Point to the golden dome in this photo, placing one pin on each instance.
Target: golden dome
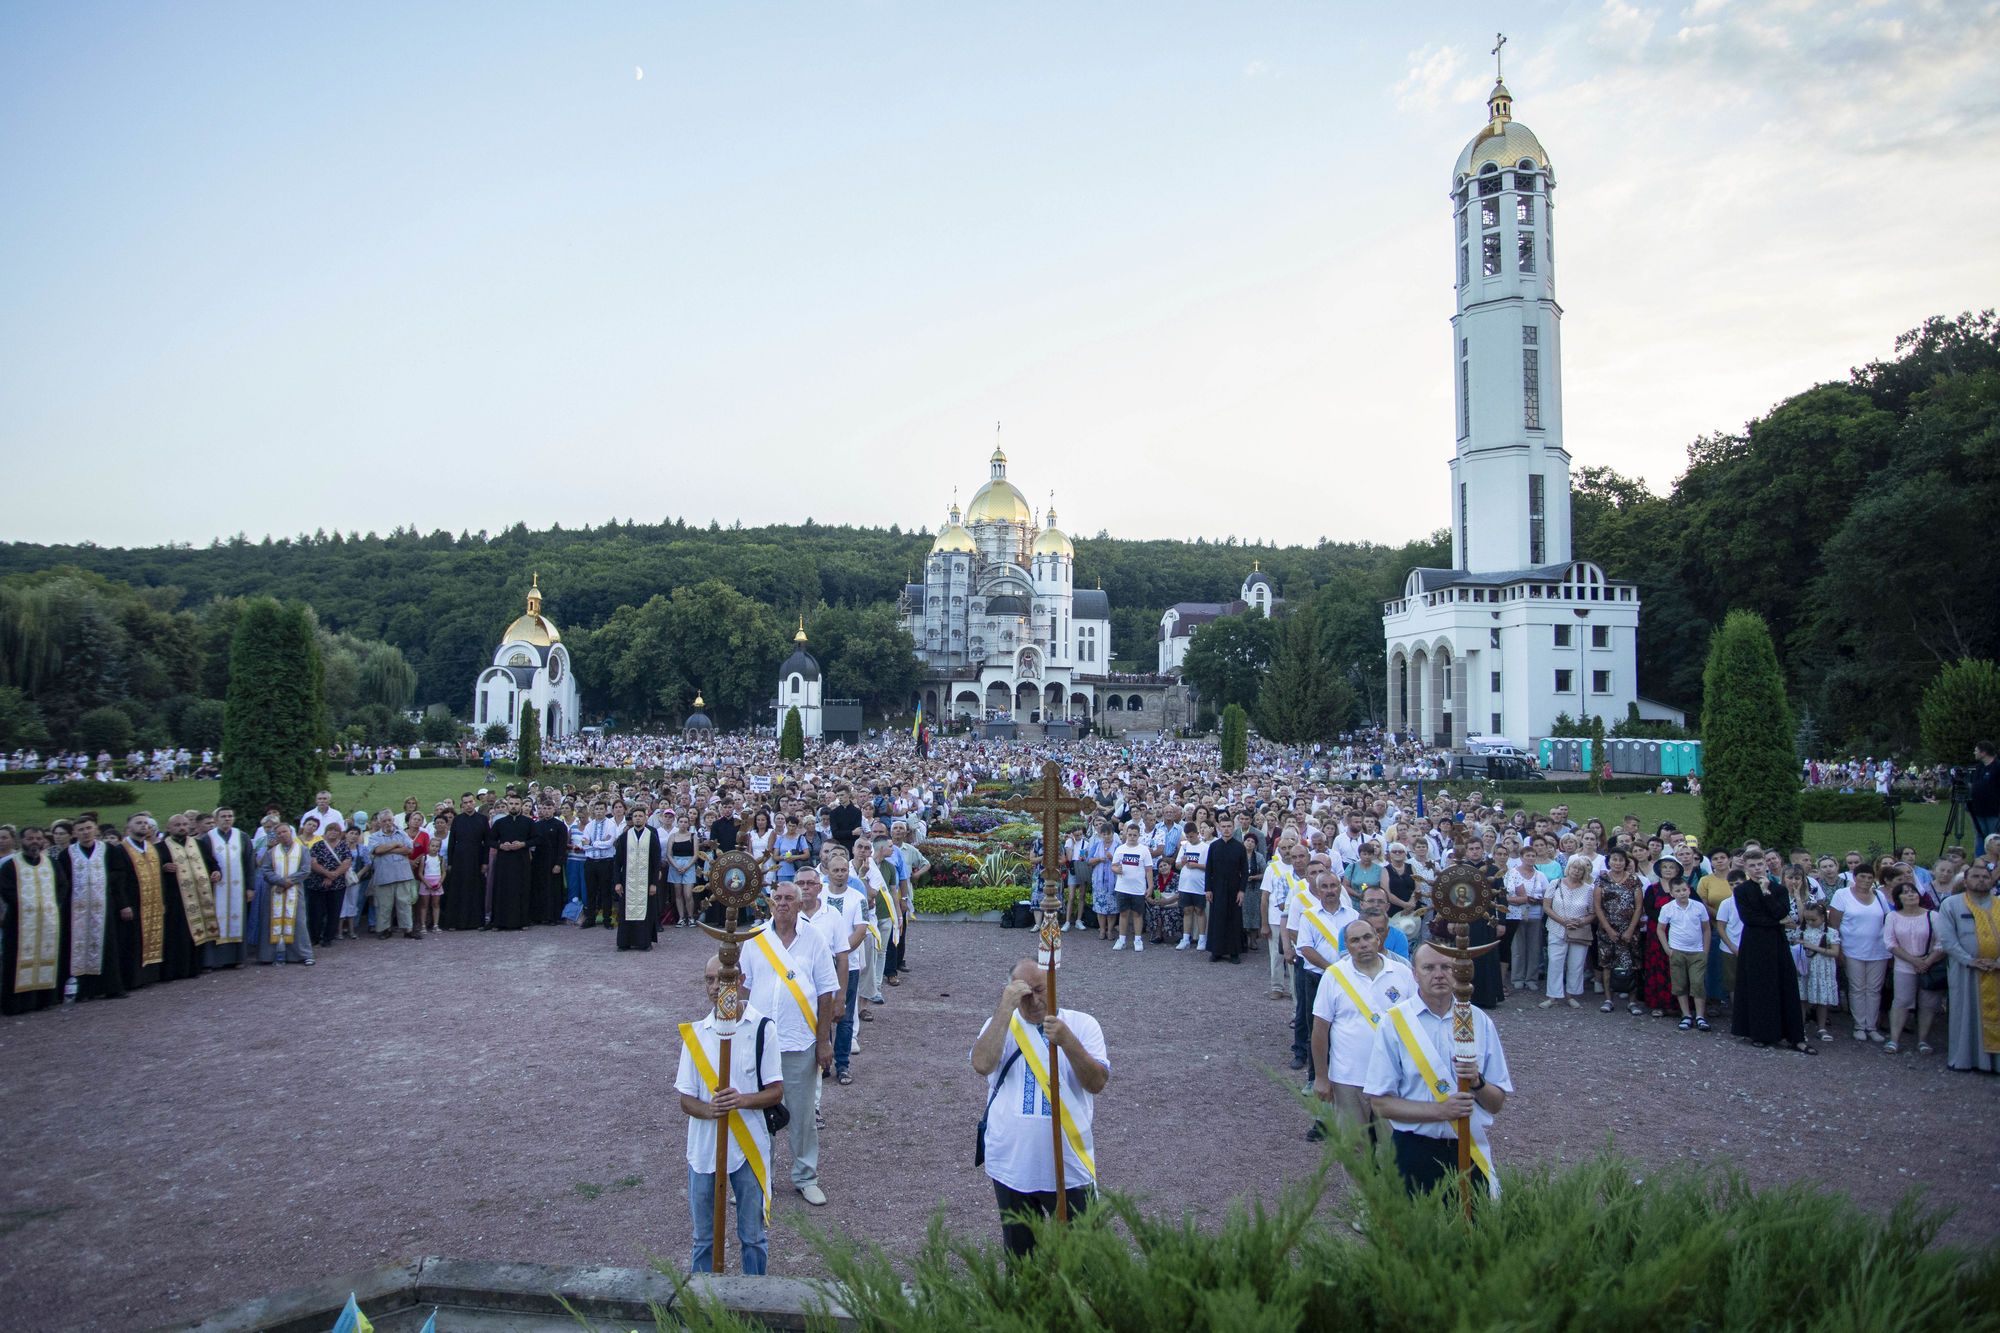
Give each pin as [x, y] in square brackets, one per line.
[1000, 501]
[952, 540]
[1051, 540]
[533, 627]
[1504, 142]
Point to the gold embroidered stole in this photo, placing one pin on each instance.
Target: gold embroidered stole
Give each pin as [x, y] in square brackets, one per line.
[638, 872]
[191, 877]
[1986, 926]
[38, 932]
[284, 904]
[229, 887]
[86, 911]
[152, 907]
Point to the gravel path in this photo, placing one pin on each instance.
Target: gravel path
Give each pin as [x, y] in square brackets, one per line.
[510, 1097]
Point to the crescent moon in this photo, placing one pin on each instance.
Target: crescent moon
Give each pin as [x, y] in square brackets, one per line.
[638, 73]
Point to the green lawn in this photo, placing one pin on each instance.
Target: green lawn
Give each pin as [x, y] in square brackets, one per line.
[1920, 825]
[19, 805]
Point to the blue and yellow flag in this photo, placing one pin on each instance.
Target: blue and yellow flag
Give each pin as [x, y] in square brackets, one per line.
[351, 1319]
[916, 728]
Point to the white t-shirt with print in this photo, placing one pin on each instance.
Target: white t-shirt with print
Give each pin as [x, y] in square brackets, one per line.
[1019, 1153]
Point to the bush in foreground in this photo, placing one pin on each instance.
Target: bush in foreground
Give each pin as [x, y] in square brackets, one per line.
[1600, 1245]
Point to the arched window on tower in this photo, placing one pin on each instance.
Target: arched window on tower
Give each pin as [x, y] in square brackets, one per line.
[1489, 180]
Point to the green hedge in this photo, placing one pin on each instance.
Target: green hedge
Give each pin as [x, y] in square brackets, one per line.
[1606, 1244]
[89, 795]
[940, 902]
[1833, 807]
[1576, 787]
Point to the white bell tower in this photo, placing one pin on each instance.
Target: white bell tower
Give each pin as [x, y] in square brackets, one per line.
[1510, 475]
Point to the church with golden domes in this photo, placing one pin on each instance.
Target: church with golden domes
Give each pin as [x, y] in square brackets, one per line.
[530, 666]
[1005, 635]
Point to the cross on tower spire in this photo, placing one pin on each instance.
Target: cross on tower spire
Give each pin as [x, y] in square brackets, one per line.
[1499, 41]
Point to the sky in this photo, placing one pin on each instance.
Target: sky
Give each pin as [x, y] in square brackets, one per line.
[271, 268]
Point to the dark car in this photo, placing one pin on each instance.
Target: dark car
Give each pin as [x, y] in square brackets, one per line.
[1495, 767]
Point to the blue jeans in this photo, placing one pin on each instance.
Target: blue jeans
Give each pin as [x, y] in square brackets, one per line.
[843, 1032]
[749, 1201]
[1305, 988]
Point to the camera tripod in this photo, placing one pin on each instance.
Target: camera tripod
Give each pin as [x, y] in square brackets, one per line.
[1956, 822]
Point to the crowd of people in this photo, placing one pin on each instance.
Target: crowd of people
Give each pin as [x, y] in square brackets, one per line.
[1319, 862]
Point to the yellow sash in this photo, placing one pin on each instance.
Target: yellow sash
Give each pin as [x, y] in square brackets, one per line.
[1031, 1052]
[1986, 925]
[1439, 1089]
[763, 938]
[739, 1129]
[1326, 929]
[1354, 994]
[38, 925]
[895, 917]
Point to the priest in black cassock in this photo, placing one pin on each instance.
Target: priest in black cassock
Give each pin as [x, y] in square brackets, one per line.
[464, 906]
[635, 882]
[1228, 877]
[510, 837]
[549, 863]
[34, 928]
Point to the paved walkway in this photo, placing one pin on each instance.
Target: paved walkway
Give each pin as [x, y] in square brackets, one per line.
[493, 1096]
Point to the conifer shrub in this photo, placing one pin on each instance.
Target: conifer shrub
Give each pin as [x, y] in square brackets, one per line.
[1750, 782]
[1602, 1244]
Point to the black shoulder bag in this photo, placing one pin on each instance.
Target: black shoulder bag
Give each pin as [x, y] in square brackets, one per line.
[1938, 975]
[777, 1115]
[979, 1151]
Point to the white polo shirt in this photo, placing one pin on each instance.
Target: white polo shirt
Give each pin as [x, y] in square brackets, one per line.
[1392, 1073]
[1019, 1153]
[807, 961]
[1350, 1042]
[743, 1076]
[1312, 937]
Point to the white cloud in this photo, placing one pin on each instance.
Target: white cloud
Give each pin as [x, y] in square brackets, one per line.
[1430, 72]
[1258, 69]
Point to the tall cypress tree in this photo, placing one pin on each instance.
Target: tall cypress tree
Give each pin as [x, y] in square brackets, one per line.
[792, 742]
[528, 748]
[1750, 782]
[274, 721]
[1235, 739]
[1303, 699]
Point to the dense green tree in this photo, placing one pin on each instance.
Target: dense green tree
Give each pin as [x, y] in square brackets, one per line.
[1303, 699]
[199, 726]
[274, 726]
[1750, 782]
[792, 742]
[528, 748]
[105, 728]
[21, 722]
[1228, 657]
[1961, 709]
[1235, 739]
[495, 734]
[1597, 753]
[440, 727]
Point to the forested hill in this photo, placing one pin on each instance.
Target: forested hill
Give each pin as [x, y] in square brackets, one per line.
[1857, 517]
[443, 598]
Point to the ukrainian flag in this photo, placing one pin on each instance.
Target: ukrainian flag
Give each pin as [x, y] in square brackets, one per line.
[351, 1319]
[917, 727]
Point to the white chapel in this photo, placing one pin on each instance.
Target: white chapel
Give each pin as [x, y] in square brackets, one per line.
[1515, 632]
[530, 666]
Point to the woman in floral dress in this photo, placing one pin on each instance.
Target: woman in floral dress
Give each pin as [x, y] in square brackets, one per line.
[1618, 942]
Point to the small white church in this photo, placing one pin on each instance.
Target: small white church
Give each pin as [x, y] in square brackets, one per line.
[1515, 632]
[799, 687]
[530, 666]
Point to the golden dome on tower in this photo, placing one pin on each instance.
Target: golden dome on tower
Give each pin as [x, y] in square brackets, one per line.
[1052, 541]
[533, 627]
